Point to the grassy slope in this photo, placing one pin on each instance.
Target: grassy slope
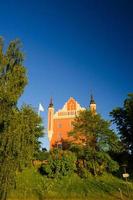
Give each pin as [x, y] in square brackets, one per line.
[33, 186]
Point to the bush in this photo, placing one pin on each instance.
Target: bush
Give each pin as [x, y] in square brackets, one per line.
[96, 162]
[60, 163]
[42, 155]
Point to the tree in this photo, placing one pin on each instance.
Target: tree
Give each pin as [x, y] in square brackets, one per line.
[42, 154]
[93, 140]
[60, 163]
[123, 118]
[19, 128]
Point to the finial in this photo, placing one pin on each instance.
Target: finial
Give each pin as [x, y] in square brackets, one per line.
[51, 102]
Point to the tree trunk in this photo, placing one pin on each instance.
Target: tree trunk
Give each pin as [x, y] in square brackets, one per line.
[3, 195]
[94, 168]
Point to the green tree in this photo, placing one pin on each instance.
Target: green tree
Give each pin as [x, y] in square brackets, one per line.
[42, 154]
[60, 163]
[19, 128]
[123, 118]
[93, 140]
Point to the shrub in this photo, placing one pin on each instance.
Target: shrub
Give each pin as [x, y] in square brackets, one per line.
[60, 163]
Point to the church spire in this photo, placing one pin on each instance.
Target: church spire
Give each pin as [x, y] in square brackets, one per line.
[92, 100]
[92, 105]
[51, 103]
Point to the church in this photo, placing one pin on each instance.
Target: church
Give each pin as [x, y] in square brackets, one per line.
[60, 122]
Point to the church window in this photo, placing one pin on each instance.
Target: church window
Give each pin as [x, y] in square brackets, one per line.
[59, 125]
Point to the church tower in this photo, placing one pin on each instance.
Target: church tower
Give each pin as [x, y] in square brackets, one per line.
[50, 119]
[92, 105]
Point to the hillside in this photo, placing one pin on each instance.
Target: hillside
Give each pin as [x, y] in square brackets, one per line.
[30, 185]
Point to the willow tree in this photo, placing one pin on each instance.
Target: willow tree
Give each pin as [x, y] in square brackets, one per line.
[20, 128]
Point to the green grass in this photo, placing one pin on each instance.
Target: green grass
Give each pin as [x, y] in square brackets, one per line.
[30, 185]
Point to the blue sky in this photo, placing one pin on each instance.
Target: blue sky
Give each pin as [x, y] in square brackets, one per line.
[73, 47]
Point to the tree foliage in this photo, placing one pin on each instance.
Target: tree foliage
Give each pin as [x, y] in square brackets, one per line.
[123, 118]
[42, 154]
[19, 128]
[93, 140]
[60, 163]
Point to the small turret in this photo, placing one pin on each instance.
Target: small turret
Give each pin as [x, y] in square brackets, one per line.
[92, 105]
[50, 119]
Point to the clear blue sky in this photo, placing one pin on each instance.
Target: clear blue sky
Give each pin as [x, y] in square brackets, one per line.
[73, 47]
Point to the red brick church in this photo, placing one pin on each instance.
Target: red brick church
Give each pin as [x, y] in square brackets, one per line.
[60, 122]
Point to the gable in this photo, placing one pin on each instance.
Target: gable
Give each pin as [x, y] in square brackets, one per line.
[71, 104]
[69, 110]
